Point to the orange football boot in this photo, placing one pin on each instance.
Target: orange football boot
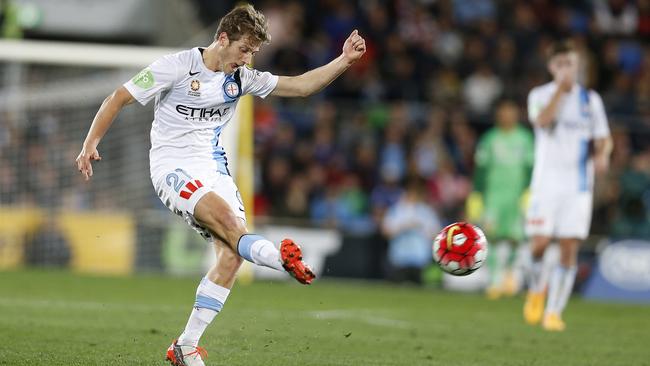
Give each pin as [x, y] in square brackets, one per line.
[292, 262]
[179, 355]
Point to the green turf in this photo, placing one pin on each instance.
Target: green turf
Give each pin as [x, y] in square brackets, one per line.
[57, 318]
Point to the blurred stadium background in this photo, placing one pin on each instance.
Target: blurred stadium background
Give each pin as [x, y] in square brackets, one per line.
[412, 108]
[324, 168]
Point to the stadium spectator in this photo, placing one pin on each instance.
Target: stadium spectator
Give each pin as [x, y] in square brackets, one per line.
[409, 225]
[616, 17]
[481, 89]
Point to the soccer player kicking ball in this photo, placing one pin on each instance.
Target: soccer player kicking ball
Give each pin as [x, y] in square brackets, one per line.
[195, 93]
[571, 141]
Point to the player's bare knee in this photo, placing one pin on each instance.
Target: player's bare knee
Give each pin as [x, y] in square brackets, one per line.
[568, 258]
[539, 246]
[567, 263]
[569, 252]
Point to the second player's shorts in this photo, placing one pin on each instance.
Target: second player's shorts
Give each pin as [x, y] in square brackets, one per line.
[181, 187]
[559, 215]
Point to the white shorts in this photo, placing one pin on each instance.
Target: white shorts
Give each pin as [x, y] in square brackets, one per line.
[559, 215]
[181, 187]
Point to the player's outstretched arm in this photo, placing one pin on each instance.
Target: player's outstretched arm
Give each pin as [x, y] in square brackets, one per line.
[109, 109]
[316, 79]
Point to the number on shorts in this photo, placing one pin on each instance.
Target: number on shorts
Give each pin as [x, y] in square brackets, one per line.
[179, 170]
[174, 181]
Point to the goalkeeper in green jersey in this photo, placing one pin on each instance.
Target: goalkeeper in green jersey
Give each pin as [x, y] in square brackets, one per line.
[504, 161]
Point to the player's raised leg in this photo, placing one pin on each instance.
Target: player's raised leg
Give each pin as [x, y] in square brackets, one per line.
[538, 278]
[211, 295]
[561, 285]
[214, 213]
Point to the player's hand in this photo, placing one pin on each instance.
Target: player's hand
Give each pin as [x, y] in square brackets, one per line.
[84, 159]
[354, 47]
[601, 164]
[566, 82]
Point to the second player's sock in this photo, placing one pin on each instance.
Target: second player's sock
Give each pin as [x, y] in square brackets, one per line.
[540, 273]
[568, 279]
[255, 248]
[210, 298]
[554, 289]
[534, 275]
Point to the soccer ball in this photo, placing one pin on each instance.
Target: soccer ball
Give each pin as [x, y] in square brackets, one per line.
[460, 248]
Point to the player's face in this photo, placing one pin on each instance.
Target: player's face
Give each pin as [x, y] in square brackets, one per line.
[239, 53]
[564, 65]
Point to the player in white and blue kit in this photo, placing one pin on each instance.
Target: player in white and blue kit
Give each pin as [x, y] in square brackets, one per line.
[195, 93]
[572, 140]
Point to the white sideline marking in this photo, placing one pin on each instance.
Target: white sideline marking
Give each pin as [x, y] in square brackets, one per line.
[364, 316]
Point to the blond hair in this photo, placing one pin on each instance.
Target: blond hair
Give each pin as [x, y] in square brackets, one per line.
[244, 20]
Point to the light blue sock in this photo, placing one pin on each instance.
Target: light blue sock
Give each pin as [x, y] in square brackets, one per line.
[535, 273]
[567, 287]
[554, 289]
[210, 298]
[256, 249]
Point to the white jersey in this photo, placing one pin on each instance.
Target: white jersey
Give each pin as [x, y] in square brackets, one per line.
[563, 161]
[193, 105]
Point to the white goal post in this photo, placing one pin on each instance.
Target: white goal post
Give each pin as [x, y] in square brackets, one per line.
[82, 54]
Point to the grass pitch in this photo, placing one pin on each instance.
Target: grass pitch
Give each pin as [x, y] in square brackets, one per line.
[58, 318]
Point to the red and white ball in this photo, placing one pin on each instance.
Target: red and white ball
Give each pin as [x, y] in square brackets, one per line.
[460, 248]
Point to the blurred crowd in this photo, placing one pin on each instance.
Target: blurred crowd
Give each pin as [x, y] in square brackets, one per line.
[408, 114]
[412, 109]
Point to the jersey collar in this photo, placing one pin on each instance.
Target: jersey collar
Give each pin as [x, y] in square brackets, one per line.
[198, 53]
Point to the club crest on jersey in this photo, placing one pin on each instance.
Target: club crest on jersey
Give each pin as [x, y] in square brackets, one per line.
[231, 90]
[195, 85]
